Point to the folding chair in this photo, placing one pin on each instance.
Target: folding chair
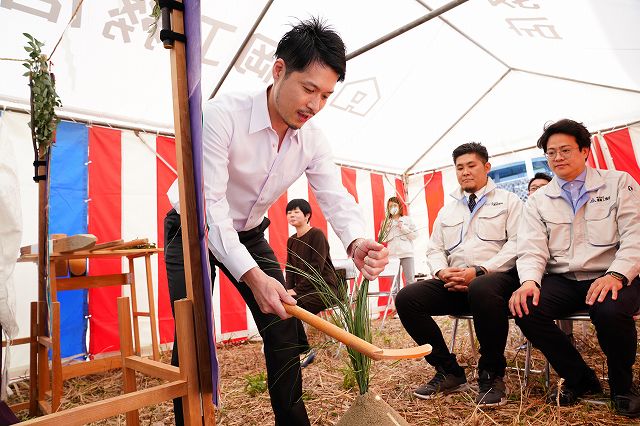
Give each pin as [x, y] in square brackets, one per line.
[454, 333]
[469, 318]
[577, 316]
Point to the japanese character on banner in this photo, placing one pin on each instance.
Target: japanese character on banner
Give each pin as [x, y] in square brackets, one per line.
[49, 9]
[257, 57]
[216, 26]
[523, 4]
[125, 19]
[542, 29]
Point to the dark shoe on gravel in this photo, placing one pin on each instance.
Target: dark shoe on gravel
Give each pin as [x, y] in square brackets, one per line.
[569, 395]
[627, 404]
[491, 390]
[442, 383]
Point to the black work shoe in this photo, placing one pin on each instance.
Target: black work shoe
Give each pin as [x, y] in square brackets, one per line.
[442, 383]
[627, 404]
[491, 390]
[570, 395]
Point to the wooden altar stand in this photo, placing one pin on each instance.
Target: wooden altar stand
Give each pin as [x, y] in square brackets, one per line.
[47, 376]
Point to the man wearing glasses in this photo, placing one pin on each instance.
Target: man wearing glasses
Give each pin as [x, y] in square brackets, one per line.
[579, 249]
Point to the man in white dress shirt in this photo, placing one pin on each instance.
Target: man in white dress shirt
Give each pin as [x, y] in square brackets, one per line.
[255, 147]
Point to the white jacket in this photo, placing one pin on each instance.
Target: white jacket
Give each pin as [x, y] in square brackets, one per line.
[401, 233]
[487, 239]
[604, 235]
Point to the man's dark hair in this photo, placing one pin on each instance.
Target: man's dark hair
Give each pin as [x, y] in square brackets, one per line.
[471, 148]
[539, 175]
[567, 127]
[302, 204]
[312, 41]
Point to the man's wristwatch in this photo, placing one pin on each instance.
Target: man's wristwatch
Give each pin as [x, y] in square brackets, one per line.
[618, 276]
[479, 270]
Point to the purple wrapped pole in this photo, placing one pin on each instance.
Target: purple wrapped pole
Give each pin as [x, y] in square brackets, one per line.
[194, 67]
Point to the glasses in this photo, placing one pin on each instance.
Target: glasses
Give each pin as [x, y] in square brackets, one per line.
[564, 153]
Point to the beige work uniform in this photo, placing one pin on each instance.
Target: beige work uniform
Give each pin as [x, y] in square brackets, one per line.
[603, 235]
[487, 239]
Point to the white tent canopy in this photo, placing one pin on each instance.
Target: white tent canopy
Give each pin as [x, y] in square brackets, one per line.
[488, 70]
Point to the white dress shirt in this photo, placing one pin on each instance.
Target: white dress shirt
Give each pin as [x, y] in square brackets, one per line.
[245, 173]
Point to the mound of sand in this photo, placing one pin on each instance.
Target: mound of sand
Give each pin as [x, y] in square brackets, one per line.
[370, 409]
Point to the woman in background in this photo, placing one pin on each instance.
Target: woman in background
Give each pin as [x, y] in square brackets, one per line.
[399, 237]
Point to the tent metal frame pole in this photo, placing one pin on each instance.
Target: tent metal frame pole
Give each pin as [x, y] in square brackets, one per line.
[573, 80]
[455, 123]
[411, 25]
[88, 118]
[465, 35]
[246, 40]
[366, 169]
[527, 148]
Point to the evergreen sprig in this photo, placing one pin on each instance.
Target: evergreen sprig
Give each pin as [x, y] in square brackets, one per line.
[44, 98]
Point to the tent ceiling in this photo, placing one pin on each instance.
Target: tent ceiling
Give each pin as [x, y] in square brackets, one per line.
[443, 83]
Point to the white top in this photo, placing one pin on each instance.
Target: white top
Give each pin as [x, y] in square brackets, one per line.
[486, 237]
[244, 174]
[602, 235]
[399, 238]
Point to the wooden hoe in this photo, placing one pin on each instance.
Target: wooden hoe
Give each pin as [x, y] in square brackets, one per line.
[354, 342]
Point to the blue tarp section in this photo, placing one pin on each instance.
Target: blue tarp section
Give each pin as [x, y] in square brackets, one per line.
[68, 215]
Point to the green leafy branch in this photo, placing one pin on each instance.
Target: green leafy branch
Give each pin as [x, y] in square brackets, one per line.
[44, 98]
[155, 14]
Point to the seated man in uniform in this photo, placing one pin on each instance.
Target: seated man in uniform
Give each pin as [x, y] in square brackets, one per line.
[579, 249]
[538, 181]
[472, 252]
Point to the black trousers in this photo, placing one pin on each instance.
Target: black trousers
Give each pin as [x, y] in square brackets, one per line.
[281, 338]
[613, 320]
[487, 300]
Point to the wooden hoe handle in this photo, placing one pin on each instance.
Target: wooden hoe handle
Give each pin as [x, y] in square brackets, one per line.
[352, 341]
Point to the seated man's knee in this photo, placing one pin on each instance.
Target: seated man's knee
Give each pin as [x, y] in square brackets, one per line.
[480, 288]
[413, 297]
[403, 300]
[606, 311]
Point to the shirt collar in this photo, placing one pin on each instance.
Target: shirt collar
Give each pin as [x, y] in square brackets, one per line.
[459, 194]
[591, 177]
[579, 179]
[479, 193]
[260, 119]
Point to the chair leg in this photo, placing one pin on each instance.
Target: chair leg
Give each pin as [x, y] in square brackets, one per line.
[392, 296]
[547, 374]
[454, 332]
[472, 341]
[527, 363]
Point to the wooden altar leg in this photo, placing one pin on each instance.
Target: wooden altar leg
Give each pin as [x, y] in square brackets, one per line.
[126, 349]
[134, 305]
[56, 361]
[152, 309]
[188, 364]
[44, 381]
[33, 362]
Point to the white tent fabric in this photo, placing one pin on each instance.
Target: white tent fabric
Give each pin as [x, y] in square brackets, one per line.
[10, 236]
[489, 70]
